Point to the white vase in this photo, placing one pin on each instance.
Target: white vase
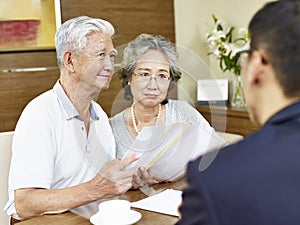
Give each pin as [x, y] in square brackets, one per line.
[237, 99]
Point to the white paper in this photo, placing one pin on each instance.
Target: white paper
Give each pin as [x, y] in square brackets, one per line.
[166, 150]
[166, 202]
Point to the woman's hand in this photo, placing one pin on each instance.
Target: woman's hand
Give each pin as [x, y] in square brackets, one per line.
[143, 177]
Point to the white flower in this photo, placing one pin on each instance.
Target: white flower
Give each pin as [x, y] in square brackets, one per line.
[243, 32]
[216, 52]
[222, 44]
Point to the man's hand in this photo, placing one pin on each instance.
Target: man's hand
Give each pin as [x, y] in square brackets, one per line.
[112, 180]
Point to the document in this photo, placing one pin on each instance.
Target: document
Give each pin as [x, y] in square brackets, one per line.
[166, 202]
[165, 150]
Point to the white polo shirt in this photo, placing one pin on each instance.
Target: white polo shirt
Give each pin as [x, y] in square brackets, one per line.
[51, 148]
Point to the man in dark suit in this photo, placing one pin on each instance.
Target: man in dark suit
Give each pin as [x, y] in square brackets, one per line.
[257, 181]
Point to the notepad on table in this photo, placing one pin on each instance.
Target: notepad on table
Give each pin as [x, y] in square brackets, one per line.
[166, 202]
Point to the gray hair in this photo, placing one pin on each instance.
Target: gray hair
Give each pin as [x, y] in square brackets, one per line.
[72, 34]
[138, 47]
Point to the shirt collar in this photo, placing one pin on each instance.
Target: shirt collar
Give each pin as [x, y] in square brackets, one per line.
[67, 105]
[289, 112]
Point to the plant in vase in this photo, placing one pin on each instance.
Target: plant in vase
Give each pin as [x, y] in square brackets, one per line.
[224, 46]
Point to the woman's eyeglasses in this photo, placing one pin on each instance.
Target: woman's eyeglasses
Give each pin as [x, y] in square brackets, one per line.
[146, 77]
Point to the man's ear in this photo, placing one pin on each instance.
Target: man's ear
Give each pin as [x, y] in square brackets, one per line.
[258, 67]
[67, 61]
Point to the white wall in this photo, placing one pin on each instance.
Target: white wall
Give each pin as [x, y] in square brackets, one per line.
[192, 21]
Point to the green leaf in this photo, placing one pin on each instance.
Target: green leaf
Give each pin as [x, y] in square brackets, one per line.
[221, 64]
[229, 35]
[219, 27]
[214, 17]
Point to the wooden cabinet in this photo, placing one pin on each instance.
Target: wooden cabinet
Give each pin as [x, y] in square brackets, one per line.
[17, 87]
[228, 119]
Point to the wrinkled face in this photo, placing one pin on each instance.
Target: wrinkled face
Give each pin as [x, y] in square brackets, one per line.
[94, 66]
[151, 78]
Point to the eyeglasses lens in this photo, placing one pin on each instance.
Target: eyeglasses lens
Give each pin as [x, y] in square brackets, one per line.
[161, 79]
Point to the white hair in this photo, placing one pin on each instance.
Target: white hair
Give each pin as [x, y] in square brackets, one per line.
[72, 34]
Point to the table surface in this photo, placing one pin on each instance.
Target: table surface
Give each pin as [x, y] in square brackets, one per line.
[148, 217]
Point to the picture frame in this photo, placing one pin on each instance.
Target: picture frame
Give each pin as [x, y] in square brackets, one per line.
[28, 24]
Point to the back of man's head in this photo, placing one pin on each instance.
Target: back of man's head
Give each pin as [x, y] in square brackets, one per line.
[276, 30]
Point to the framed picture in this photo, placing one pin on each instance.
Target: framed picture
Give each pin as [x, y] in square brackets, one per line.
[28, 24]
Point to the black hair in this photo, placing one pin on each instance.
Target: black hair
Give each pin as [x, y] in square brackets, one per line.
[276, 30]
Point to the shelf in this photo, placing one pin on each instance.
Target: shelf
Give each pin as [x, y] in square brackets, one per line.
[228, 119]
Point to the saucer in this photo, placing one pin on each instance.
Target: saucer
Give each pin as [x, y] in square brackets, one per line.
[133, 217]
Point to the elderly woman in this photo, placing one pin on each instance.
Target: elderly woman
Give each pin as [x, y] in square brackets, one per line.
[148, 72]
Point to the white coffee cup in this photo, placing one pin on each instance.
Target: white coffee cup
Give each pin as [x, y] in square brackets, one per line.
[111, 209]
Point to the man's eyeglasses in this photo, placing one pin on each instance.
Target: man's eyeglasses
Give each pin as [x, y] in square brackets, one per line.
[243, 56]
[146, 77]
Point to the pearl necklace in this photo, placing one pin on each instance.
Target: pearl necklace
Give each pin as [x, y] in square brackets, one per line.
[134, 121]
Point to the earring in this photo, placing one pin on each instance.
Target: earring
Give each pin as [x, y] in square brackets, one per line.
[128, 83]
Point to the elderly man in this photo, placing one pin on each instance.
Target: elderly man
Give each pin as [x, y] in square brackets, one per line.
[256, 181]
[63, 148]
